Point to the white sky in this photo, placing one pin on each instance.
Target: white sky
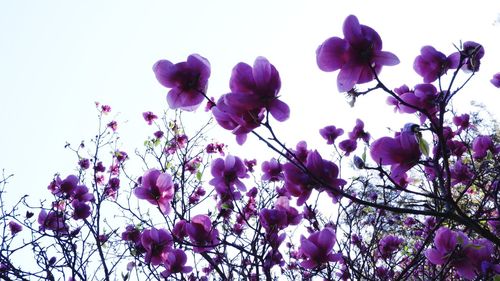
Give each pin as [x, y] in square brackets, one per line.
[58, 57]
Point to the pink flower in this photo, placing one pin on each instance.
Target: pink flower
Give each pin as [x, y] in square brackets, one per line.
[157, 188]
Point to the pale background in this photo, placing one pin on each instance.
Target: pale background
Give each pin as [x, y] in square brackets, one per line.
[58, 57]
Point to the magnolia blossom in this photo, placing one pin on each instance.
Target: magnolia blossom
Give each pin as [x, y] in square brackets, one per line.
[401, 152]
[322, 175]
[331, 133]
[201, 233]
[157, 188]
[254, 91]
[455, 249]
[432, 64]
[157, 243]
[317, 249]
[228, 172]
[188, 81]
[273, 170]
[175, 262]
[357, 56]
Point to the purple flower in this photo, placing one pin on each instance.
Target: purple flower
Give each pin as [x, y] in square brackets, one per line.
[131, 233]
[273, 220]
[273, 170]
[84, 163]
[53, 220]
[322, 175]
[461, 121]
[14, 227]
[175, 262]
[481, 145]
[201, 233]
[357, 56]
[317, 248]
[80, 210]
[388, 245]
[348, 146]
[472, 53]
[401, 152]
[157, 188]
[454, 248]
[158, 134]
[113, 125]
[461, 173]
[253, 92]
[331, 133]
[157, 243]
[227, 173]
[149, 117]
[188, 81]
[358, 132]
[432, 64]
[496, 80]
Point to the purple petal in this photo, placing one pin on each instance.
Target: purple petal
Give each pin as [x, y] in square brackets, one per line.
[348, 77]
[163, 72]
[386, 58]
[331, 55]
[242, 80]
[352, 30]
[279, 110]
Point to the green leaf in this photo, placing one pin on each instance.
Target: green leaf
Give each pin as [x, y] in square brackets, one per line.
[496, 278]
[199, 175]
[423, 145]
[363, 156]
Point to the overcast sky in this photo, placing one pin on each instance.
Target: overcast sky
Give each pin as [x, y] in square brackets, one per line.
[58, 57]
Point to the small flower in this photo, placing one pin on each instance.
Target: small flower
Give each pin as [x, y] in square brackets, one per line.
[331, 133]
[496, 80]
[14, 227]
[188, 81]
[84, 163]
[358, 132]
[348, 146]
[149, 117]
[273, 170]
[113, 125]
[388, 245]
